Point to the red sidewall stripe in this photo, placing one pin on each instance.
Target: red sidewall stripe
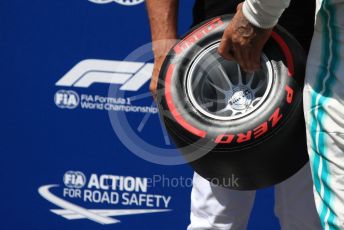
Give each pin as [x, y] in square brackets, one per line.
[286, 52]
[173, 109]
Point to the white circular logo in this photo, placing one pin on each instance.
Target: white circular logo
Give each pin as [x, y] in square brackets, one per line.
[241, 98]
[66, 99]
[122, 2]
[74, 179]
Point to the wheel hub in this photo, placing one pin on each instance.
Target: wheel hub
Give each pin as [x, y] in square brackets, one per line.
[241, 98]
[221, 90]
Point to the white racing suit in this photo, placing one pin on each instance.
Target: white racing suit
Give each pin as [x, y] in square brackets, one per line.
[215, 208]
[324, 112]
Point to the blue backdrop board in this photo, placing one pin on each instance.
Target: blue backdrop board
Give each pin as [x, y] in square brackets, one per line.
[82, 145]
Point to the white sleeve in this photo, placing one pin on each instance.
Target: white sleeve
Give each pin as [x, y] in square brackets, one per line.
[264, 13]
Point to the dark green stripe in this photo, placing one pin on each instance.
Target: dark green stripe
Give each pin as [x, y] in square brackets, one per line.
[318, 85]
[319, 120]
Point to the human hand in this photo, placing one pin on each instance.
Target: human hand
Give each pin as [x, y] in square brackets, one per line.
[155, 76]
[243, 42]
[160, 49]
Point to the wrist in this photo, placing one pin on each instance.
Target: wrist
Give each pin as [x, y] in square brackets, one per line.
[162, 47]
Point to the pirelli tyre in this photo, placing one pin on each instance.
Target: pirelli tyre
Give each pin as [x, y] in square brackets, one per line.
[239, 130]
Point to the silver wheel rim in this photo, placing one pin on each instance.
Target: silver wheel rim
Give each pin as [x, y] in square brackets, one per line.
[220, 90]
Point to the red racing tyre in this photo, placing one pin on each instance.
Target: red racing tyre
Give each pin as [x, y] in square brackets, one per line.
[239, 130]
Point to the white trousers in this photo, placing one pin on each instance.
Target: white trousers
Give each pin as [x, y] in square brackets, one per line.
[214, 207]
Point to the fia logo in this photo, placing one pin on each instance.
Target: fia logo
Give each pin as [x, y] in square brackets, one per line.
[74, 179]
[66, 99]
[122, 2]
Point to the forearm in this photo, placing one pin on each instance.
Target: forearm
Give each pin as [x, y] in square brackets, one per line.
[163, 22]
[162, 16]
[264, 13]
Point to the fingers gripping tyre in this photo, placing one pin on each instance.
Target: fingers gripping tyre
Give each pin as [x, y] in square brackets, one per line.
[239, 130]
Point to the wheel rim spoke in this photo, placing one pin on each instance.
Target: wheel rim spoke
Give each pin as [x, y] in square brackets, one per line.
[225, 76]
[216, 87]
[240, 81]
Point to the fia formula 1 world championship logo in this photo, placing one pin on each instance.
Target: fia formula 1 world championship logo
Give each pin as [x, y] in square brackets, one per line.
[107, 190]
[128, 76]
[122, 2]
